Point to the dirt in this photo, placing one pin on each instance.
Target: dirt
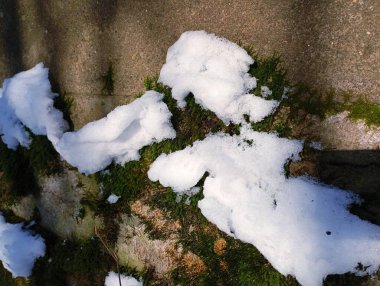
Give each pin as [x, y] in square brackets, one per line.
[323, 43]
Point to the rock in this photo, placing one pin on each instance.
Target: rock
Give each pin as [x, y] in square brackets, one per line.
[60, 208]
[339, 132]
[136, 250]
[25, 207]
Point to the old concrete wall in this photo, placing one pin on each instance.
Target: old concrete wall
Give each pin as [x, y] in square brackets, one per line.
[324, 43]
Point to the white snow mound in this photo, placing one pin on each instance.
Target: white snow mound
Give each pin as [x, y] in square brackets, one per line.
[113, 280]
[215, 71]
[26, 101]
[303, 228]
[119, 136]
[19, 249]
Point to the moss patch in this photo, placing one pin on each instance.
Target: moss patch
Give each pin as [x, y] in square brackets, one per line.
[367, 111]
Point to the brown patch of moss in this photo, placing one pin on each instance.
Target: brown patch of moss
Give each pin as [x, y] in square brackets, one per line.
[220, 246]
[155, 216]
[193, 264]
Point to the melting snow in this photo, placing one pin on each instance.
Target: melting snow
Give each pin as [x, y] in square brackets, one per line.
[265, 91]
[19, 249]
[113, 280]
[112, 199]
[215, 71]
[26, 101]
[303, 228]
[119, 136]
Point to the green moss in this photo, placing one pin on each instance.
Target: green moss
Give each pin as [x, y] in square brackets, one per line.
[20, 167]
[46, 273]
[7, 280]
[240, 264]
[325, 104]
[43, 158]
[126, 181]
[347, 279]
[64, 103]
[272, 123]
[83, 259]
[367, 111]
[191, 123]
[269, 72]
[314, 102]
[17, 171]
[283, 130]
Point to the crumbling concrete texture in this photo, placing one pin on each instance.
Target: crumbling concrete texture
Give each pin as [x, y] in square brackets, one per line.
[323, 43]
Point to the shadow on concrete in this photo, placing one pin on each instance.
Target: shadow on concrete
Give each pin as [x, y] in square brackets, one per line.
[354, 170]
[309, 19]
[10, 35]
[104, 12]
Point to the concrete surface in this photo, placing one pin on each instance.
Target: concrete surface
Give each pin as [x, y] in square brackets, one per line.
[324, 43]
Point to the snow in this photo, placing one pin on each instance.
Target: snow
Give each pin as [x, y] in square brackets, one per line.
[303, 228]
[19, 249]
[188, 193]
[112, 199]
[215, 71]
[119, 136]
[113, 280]
[26, 102]
[316, 145]
[265, 91]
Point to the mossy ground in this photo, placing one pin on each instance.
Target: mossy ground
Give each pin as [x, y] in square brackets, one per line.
[87, 262]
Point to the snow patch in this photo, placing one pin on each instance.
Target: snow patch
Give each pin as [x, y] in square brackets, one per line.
[26, 102]
[316, 145]
[265, 91]
[112, 199]
[303, 228]
[119, 136]
[215, 71]
[19, 249]
[113, 280]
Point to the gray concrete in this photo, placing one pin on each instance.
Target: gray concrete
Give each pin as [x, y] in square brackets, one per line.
[324, 43]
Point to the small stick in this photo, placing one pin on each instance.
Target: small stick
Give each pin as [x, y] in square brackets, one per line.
[112, 253]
